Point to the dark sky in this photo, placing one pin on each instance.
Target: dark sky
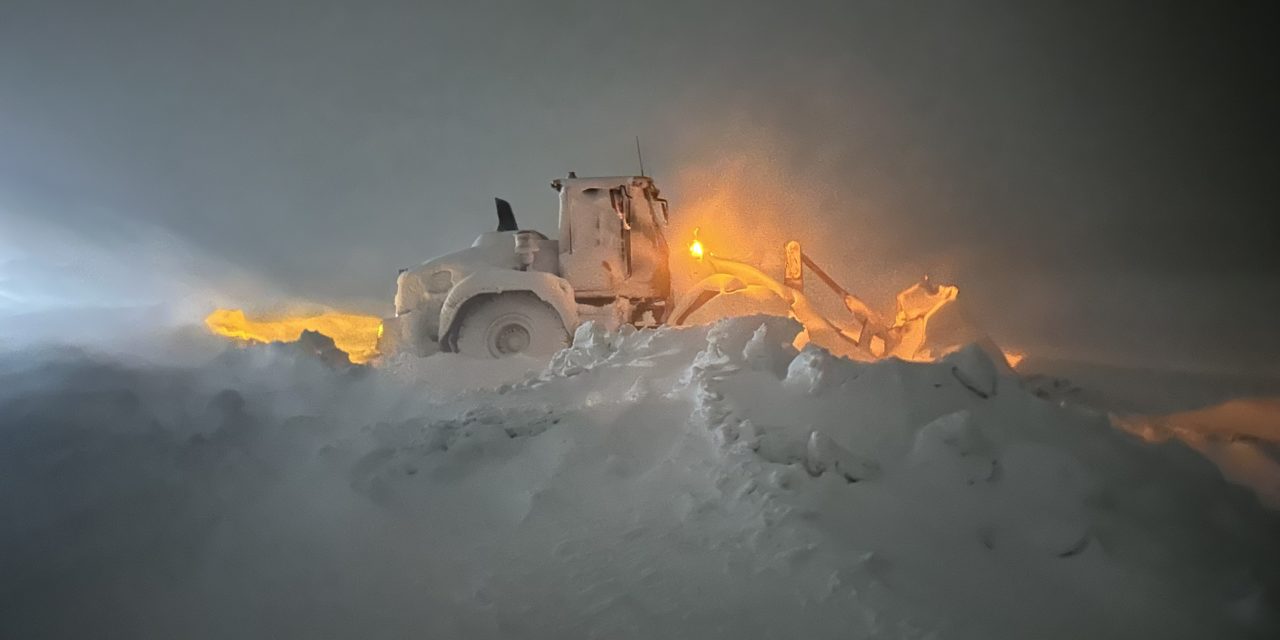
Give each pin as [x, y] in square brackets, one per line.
[1099, 177]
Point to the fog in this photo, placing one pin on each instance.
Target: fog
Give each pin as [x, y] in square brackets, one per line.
[1095, 177]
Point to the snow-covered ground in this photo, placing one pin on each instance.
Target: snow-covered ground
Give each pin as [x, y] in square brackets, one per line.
[700, 482]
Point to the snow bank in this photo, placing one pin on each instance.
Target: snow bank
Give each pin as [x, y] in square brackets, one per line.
[697, 482]
[1241, 436]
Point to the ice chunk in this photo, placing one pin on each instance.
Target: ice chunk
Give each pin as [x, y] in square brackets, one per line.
[823, 454]
[974, 369]
[953, 448]
[592, 344]
[768, 351]
[814, 370]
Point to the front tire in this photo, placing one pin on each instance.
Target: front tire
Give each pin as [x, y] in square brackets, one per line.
[507, 324]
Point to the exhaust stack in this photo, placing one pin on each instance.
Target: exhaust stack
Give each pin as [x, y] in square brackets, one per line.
[506, 217]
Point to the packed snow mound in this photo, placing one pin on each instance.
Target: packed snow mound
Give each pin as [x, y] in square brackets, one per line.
[701, 482]
[1242, 436]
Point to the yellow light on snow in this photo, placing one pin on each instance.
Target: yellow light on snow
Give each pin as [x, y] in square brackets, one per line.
[353, 333]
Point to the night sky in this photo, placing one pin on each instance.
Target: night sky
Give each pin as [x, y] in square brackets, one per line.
[1100, 178]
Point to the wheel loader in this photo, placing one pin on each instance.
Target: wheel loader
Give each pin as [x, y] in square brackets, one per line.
[518, 291]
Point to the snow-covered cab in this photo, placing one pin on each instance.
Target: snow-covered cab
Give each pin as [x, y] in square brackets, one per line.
[613, 247]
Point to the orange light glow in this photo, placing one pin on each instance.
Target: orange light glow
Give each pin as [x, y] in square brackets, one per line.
[695, 249]
[357, 335]
[1013, 357]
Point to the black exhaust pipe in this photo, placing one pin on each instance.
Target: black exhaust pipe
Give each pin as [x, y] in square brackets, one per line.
[506, 218]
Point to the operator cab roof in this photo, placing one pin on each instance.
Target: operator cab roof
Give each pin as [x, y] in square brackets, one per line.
[601, 182]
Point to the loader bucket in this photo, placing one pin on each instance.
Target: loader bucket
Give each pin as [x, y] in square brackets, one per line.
[864, 336]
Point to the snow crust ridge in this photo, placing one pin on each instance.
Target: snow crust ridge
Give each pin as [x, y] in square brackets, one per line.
[707, 481]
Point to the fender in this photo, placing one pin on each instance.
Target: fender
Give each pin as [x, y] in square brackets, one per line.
[550, 288]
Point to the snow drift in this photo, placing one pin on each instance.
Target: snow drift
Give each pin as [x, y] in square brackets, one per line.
[697, 482]
[1241, 436]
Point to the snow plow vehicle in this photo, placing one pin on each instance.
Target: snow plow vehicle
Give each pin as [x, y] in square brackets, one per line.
[519, 291]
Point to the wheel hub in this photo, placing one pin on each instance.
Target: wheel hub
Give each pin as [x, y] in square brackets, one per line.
[511, 338]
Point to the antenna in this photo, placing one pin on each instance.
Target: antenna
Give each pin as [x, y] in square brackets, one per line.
[638, 156]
